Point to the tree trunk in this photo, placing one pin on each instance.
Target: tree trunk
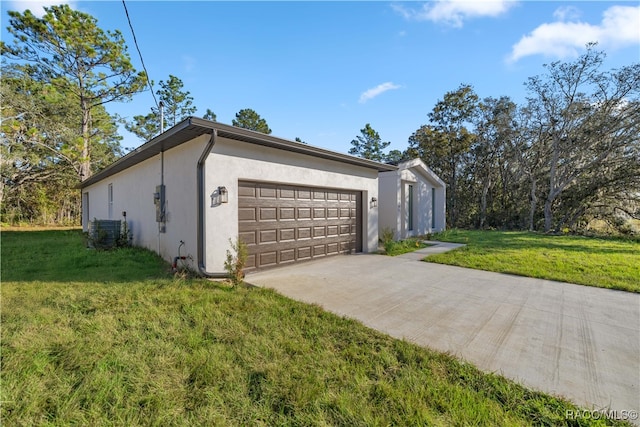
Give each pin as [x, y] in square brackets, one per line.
[85, 161]
[533, 204]
[483, 202]
[548, 215]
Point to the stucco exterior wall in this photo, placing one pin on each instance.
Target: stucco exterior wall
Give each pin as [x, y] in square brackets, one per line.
[133, 192]
[394, 203]
[231, 161]
[389, 203]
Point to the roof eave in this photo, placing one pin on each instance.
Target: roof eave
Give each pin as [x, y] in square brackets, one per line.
[192, 127]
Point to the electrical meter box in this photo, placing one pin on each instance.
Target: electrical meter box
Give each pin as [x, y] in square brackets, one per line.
[158, 200]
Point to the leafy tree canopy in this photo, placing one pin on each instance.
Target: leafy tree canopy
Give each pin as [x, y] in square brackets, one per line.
[369, 145]
[210, 115]
[177, 105]
[69, 51]
[249, 119]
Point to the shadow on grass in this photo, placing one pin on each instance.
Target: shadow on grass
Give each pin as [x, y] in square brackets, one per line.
[61, 256]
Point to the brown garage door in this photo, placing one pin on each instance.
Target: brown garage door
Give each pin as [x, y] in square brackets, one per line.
[283, 224]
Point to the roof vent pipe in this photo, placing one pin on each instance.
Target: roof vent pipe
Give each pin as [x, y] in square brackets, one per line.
[161, 116]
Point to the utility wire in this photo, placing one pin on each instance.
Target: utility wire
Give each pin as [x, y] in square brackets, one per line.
[140, 54]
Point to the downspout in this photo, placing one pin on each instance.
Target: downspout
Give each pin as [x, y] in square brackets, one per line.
[200, 189]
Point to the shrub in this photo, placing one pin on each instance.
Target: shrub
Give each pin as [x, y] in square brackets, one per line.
[236, 260]
[387, 234]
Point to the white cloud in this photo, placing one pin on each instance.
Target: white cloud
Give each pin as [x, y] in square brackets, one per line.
[37, 6]
[373, 92]
[455, 12]
[562, 39]
[567, 13]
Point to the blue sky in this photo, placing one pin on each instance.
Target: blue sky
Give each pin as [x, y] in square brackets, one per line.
[321, 70]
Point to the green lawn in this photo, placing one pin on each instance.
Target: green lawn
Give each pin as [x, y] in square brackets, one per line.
[107, 338]
[606, 263]
[399, 247]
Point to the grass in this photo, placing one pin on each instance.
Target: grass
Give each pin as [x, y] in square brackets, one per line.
[60, 256]
[398, 247]
[601, 262]
[89, 339]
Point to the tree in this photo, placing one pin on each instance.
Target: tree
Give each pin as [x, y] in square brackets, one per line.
[446, 141]
[369, 145]
[395, 157]
[69, 51]
[144, 127]
[591, 124]
[529, 155]
[176, 103]
[300, 141]
[39, 164]
[210, 115]
[249, 119]
[490, 164]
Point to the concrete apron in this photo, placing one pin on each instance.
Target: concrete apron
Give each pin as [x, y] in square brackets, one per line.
[579, 342]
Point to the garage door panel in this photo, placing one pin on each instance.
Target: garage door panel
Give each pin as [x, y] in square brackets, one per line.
[268, 214]
[319, 250]
[248, 237]
[304, 253]
[251, 261]
[303, 194]
[287, 255]
[267, 192]
[319, 213]
[268, 236]
[304, 233]
[268, 259]
[246, 191]
[287, 193]
[246, 214]
[294, 203]
[285, 224]
[287, 234]
[287, 213]
[303, 213]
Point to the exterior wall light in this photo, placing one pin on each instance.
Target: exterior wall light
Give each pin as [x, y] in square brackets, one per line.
[373, 203]
[224, 195]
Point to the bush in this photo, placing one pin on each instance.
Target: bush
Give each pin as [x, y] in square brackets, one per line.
[387, 235]
[235, 262]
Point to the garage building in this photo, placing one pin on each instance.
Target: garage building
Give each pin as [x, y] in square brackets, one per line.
[201, 184]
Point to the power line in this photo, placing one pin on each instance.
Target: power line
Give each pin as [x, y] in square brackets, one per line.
[140, 54]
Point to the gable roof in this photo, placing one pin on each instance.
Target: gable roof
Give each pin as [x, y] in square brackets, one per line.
[419, 166]
[193, 127]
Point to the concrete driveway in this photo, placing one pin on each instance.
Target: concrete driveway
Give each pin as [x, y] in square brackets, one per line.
[575, 341]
